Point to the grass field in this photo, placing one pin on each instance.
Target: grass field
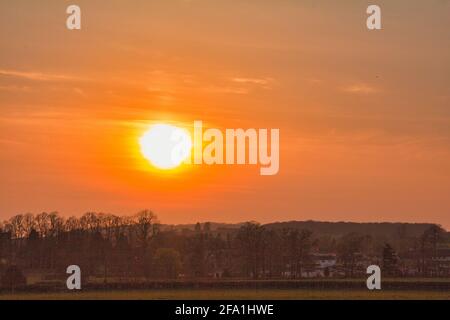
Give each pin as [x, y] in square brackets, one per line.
[234, 294]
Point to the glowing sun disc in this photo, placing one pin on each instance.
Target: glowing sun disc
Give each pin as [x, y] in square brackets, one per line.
[165, 146]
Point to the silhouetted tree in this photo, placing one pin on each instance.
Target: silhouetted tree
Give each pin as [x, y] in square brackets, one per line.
[251, 245]
[429, 242]
[350, 248]
[146, 226]
[390, 261]
[167, 263]
[13, 278]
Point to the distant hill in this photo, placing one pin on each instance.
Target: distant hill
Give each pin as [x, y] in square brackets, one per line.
[333, 229]
[214, 226]
[336, 229]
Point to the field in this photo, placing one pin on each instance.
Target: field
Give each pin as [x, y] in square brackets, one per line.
[235, 289]
[233, 294]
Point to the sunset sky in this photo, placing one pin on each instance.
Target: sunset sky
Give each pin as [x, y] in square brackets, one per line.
[364, 116]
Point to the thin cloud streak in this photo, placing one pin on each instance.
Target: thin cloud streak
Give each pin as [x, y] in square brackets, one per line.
[36, 76]
[361, 89]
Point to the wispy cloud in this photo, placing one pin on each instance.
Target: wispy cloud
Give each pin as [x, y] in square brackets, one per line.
[79, 91]
[14, 88]
[251, 80]
[36, 76]
[360, 88]
[258, 81]
[223, 89]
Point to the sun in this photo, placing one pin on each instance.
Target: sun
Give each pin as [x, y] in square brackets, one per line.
[165, 146]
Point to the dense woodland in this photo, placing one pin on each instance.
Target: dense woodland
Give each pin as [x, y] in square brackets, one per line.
[109, 247]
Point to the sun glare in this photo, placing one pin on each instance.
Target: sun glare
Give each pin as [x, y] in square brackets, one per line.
[165, 146]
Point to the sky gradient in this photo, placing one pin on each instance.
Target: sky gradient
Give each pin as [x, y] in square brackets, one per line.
[364, 116]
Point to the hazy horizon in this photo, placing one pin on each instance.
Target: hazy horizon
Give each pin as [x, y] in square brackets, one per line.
[237, 222]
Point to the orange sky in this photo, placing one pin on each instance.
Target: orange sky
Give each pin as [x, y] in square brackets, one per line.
[363, 116]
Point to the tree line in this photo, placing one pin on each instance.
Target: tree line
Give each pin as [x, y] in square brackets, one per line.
[109, 246]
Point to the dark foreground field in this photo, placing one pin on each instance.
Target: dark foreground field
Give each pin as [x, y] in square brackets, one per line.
[234, 294]
[396, 288]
